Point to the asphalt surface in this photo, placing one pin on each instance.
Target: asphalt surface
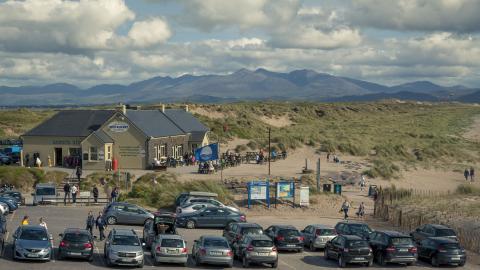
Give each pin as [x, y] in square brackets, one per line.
[59, 217]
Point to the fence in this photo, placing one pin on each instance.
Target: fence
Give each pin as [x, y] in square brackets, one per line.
[386, 208]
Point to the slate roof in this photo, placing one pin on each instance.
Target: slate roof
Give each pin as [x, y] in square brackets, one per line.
[72, 123]
[154, 123]
[188, 123]
[103, 136]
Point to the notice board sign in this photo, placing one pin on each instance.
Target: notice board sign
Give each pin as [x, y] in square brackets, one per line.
[258, 191]
[285, 190]
[304, 196]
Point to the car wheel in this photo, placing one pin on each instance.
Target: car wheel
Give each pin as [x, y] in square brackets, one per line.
[435, 261]
[341, 262]
[411, 264]
[140, 265]
[111, 220]
[461, 264]
[326, 255]
[245, 263]
[370, 263]
[190, 224]
[381, 260]
[312, 247]
[275, 264]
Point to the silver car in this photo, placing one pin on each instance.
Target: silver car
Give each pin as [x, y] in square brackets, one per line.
[317, 236]
[169, 248]
[210, 201]
[212, 250]
[257, 248]
[126, 213]
[32, 243]
[123, 247]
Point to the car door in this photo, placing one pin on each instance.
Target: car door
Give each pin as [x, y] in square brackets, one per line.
[148, 232]
[206, 217]
[222, 217]
[373, 242]
[232, 233]
[336, 246]
[307, 235]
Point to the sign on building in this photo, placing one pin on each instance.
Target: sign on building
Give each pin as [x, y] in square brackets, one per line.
[118, 127]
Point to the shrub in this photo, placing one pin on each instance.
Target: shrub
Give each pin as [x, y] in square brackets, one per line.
[467, 189]
[383, 168]
[25, 179]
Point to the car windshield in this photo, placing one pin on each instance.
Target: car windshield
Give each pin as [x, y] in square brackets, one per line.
[363, 228]
[164, 220]
[357, 244]
[172, 243]
[445, 232]
[215, 243]
[125, 240]
[402, 241]
[262, 243]
[252, 230]
[325, 232]
[76, 237]
[34, 234]
[45, 191]
[289, 232]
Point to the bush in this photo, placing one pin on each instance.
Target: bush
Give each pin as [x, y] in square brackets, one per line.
[383, 168]
[240, 148]
[253, 145]
[467, 189]
[25, 179]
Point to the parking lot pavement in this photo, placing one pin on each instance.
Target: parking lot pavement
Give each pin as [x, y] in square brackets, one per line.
[58, 218]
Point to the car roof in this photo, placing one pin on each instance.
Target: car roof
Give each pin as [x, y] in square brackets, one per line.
[321, 226]
[439, 226]
[201, 194]
[352, 237]
[213, 237]
[394, 234]
[164, 214]
[124, 232]
[33, 227]
[352, 223]
[284, 226]
[77, 230]
[45, 185]
[443, 239]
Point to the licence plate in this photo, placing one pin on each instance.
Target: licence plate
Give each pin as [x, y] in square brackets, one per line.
[455, 259]
[172, 251]
[32, 255]
[403, 249]
[291, 245]
[263, 254]
[359, 258]
[216, 253]
[75, 254]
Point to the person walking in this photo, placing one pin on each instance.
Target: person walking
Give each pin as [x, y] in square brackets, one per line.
[345, 208]
[95, 194]
[101, 224]
[79, 173]
[466, 174]
[42, 223]
[67, 190]
[25, 221]
[361, 210]
[74, 193]
[363, 182]
[328, 157]
[472, 174]
[27, 160]
[114, 194]
[90, 222]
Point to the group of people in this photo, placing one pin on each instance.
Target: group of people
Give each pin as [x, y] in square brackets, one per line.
[35, 161]
[74, 190]
[99, 223]
[469, 174]
[41, 222]
[346, 208]
[334, 157]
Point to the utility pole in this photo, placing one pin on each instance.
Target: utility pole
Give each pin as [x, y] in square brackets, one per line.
[269, 150]
[318, 175]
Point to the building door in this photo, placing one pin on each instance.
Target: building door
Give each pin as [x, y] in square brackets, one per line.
[58, 157]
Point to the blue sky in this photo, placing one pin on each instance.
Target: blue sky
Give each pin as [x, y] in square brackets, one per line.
[91, 42]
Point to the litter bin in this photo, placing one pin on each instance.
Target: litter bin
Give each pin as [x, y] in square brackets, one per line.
[337, 189]
[327, 187]
[371, 190]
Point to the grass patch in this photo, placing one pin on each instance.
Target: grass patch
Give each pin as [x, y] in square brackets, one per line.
[25, 179]
[467, 189]
[383, 168]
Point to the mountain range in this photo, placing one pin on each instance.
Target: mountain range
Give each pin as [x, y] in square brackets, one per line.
[261, 84]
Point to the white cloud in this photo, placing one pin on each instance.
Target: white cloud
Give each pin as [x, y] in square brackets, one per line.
[150, 32]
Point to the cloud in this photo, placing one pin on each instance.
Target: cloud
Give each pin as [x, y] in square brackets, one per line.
[150, 32]
[418, 15]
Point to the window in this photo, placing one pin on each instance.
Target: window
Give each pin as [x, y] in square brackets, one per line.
[109, 153]
[75, 152]
[177, 151]
[160, 151]
[93, 153]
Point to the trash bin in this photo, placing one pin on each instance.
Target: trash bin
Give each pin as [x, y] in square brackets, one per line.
[337, 189]
[327, 187]
[371, 190]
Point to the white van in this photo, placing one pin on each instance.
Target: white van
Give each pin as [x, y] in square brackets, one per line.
[45, 193]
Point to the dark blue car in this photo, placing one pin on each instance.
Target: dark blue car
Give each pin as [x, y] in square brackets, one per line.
[210, 217]
[11, 202]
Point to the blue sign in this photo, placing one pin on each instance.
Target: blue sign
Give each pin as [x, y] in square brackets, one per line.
[285, 190]
[206, 153]
[258, 191]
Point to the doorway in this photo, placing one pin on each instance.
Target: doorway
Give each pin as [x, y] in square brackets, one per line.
[58, 157]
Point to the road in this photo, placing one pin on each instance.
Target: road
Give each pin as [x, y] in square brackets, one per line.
[59, 217]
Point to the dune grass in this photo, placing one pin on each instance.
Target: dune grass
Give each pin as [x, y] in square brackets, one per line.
[25, 179]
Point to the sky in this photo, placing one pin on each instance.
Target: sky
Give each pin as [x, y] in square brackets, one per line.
[90, 42]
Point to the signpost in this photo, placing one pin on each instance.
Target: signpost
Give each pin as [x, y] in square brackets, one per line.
[259, 190]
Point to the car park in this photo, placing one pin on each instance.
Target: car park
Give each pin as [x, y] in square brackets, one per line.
[257, 248]
[162, 223]
[285, 237]
[210, 201]
[193, 194]
[317, 235]
[212, 250]
[353, 228]
[169, 248]
[126, 213]
[32, 243]
[433, 230]
[349, 249]
[10, 202]
[442, 251]
[212, 217]
[235, 231]
[123, 247]
[45, 193]
[76, 243]
[393, 247]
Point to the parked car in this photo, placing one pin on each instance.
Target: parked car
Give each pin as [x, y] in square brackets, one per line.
[441, 251]
[4, 209]
[123, 247]
[14, 194]
[257, 248]
[5, 159]
[3, 231]
[162, 223]
[285, 237]
[235, 231]
[212, 250]
[353, 228]
[433, 230]
[210, 201]
[210, 217]
[32, 243]
[317, 236]
[45, 193]
[192, 207]
[126, 213]
[76, 243]
[10, 202]
[393, 247]
[169, 248]
[193, 194]
[349, 249]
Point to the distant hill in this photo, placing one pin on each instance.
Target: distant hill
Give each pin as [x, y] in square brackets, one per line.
[261, 84]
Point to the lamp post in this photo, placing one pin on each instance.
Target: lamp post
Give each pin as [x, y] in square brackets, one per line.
[269, 150]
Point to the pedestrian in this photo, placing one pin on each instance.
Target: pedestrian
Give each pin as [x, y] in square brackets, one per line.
[95, 194]
[25, 221]
[328, 157]
[42, 223]
[67, 190]
[101, 225]
[466, 174]
[90, 222]
[361, 210]
[114, 194]
[472, 174]
[27, 160]
[79, 173]
[38, 162]
[74, 193]
[345, 208]
[363, 182]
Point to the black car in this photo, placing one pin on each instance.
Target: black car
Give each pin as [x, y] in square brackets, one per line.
[354, 228]
[235, 231]
[210, 217]
[433, 230]
[286, 237]
[349, 249]
[393, 247]
[442, 250]
[13, 194]
[76, 243]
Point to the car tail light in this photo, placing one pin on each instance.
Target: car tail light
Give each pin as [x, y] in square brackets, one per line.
[243, 218]
[63, 244]
[184, 250]
[301, 238]
[274, 249]
[390, 249]
[412, 250]
[230, 253]
[88, 245]
[280, 238]
[249, 248]
[203, 251]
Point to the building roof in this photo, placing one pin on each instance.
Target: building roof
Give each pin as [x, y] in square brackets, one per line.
[72, 123]
[103, 136]
[188, 123]
[154, 123]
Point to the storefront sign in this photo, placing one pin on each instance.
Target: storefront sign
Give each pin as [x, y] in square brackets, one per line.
[118, 127]
[304, 196]
[66, 142]
[131, 151]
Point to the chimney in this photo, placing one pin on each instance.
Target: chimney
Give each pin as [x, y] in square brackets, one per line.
[122, 108]
[186, 108]
[163, 107]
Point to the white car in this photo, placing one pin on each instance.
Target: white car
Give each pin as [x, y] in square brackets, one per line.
[4, 209]
[195, 204]
[192, 207]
